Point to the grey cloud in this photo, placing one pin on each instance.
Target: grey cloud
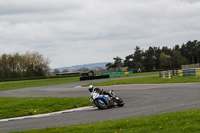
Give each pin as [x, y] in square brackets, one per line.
[75, 29]
[37, 6]
[190, 1]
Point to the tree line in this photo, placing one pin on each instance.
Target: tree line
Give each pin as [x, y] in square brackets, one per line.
[161, 58]
[30, 64]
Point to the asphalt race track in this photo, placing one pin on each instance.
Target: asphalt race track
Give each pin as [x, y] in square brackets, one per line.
[61, 90]
[140, 100]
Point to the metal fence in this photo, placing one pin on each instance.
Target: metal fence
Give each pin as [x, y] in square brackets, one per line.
[190, 66]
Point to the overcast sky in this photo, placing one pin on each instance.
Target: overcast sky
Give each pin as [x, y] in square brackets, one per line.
[75, 32]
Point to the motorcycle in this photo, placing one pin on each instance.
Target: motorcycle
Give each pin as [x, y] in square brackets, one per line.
[103, 101]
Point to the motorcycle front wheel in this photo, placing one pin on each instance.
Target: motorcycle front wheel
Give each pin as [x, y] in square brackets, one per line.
[119, 101]
[101, 104]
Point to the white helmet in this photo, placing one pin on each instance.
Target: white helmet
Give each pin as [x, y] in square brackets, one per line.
[90, 88]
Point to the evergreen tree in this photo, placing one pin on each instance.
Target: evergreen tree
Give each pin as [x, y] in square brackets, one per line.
[137, 57]
[149, 61]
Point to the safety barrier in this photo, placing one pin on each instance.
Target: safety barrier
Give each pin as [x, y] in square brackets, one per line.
[94, 77]
[118, 73]
[191, 72]
[166, 74]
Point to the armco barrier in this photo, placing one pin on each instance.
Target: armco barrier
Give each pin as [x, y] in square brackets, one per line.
[94, 77]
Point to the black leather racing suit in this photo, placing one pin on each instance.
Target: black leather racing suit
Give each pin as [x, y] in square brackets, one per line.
[101, 91]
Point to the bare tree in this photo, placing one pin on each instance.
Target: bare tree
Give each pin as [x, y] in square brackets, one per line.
[28, 64]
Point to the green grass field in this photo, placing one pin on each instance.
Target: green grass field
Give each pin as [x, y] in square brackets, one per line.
[148, 80]
[43, 82]
[15, 107]
[33, 83]
[176, 122]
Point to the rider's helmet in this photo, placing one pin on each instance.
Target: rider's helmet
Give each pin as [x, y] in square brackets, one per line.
[91, 87]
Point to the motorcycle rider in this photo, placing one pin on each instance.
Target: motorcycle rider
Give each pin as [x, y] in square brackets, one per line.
[100, 91]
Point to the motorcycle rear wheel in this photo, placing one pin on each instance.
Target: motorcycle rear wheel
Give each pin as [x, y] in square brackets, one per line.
[101, 104]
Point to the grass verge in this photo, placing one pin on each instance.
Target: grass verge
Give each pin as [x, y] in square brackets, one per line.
[176, 122]
[33, 83]
[15, 107]
[148, 80]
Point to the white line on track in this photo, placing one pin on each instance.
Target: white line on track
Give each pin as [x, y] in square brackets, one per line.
[48, 114]
[77, 87]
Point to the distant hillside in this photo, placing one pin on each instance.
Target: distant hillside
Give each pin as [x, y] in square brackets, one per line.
[93, 66]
